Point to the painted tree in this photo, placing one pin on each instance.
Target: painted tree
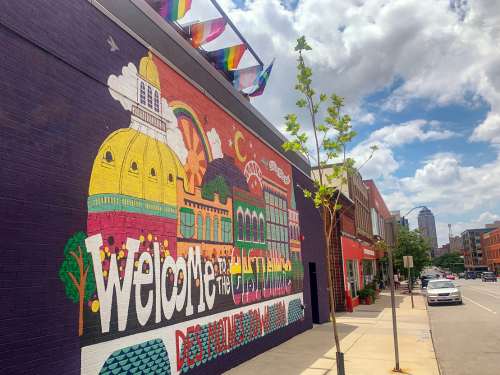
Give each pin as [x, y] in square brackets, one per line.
[332, 133]
[77, 274]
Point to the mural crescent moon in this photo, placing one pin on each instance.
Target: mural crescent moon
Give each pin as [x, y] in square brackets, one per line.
[237, 137]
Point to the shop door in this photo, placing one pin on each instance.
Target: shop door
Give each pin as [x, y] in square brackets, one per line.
[313, 283]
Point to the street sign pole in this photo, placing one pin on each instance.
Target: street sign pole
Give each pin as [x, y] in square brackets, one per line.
[408, 263]
[393, 305]
[410, 289]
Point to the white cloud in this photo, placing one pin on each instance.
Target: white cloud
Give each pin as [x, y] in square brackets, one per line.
[123, 88]
[384, 164]
[408, 132]
[452, 190]
[488, 130]
[368, 118]
[215, 144]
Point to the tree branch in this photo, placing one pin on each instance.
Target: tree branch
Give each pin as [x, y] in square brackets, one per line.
[73, 279]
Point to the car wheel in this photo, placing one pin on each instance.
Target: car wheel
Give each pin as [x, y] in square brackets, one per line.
[460, 302]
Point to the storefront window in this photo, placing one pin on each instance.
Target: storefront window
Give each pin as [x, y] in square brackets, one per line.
[353, 277]
[368, 271]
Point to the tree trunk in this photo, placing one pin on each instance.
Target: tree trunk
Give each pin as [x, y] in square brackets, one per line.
[81, 292]
[327, 223]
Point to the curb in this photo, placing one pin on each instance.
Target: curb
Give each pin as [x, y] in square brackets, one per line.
[440, 369]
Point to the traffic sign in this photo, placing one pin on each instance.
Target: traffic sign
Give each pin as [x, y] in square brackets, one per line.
[408, 261]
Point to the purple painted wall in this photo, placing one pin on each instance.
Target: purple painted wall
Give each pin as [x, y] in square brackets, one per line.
[55, 112]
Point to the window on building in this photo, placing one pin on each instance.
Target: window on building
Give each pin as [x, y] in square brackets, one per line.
[187, 222]
[226, 230]
[216, 228]
[142, 94]
[240, 226]
[262, 229]
[208, 228]
[199, 234]
[248, 227]
[255, 229]
[150, 97]
[157, 102]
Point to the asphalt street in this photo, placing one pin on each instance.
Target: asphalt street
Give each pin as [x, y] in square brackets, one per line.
[467, 337]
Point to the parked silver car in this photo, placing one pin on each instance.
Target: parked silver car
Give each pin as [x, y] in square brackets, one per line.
[442, 291]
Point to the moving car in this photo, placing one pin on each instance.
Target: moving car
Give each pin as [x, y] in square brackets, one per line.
[450, 277]
[461, 275]
[470, 275]
[442, 291]
[489, 276]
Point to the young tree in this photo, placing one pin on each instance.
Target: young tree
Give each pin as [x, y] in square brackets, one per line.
[328, 154]
[411, 243]
[77, 274]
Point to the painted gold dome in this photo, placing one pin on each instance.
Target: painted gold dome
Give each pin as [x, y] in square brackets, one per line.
[132, 164]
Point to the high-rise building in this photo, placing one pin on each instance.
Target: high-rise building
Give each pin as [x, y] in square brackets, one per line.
[427, 228]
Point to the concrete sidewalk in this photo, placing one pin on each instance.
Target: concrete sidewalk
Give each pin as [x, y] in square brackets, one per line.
[366, 340]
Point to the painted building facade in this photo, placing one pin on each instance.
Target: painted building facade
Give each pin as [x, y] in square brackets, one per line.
[165, 235]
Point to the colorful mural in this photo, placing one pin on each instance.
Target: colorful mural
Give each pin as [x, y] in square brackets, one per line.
[192, 244]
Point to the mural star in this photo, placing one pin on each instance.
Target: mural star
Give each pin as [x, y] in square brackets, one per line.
[230, 142]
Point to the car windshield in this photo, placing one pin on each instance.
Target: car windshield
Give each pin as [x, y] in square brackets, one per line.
[440, 285]
[488, 273]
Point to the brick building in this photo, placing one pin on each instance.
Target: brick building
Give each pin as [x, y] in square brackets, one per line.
[474, 257]
[490, 242]
[380, 215]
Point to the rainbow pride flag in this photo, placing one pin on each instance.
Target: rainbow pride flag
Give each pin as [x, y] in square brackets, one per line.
[171, 10]
[227, 58]
[261, 81]
[204, 32]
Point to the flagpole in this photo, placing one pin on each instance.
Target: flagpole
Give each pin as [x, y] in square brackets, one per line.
[230, 23]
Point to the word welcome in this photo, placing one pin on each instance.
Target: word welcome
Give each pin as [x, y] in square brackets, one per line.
[198, 278]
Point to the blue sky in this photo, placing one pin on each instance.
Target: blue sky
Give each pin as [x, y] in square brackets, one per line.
[420, 78]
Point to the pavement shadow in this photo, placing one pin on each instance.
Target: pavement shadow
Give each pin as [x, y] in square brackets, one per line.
[374, 310]
[321, 351]
[312, 350]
